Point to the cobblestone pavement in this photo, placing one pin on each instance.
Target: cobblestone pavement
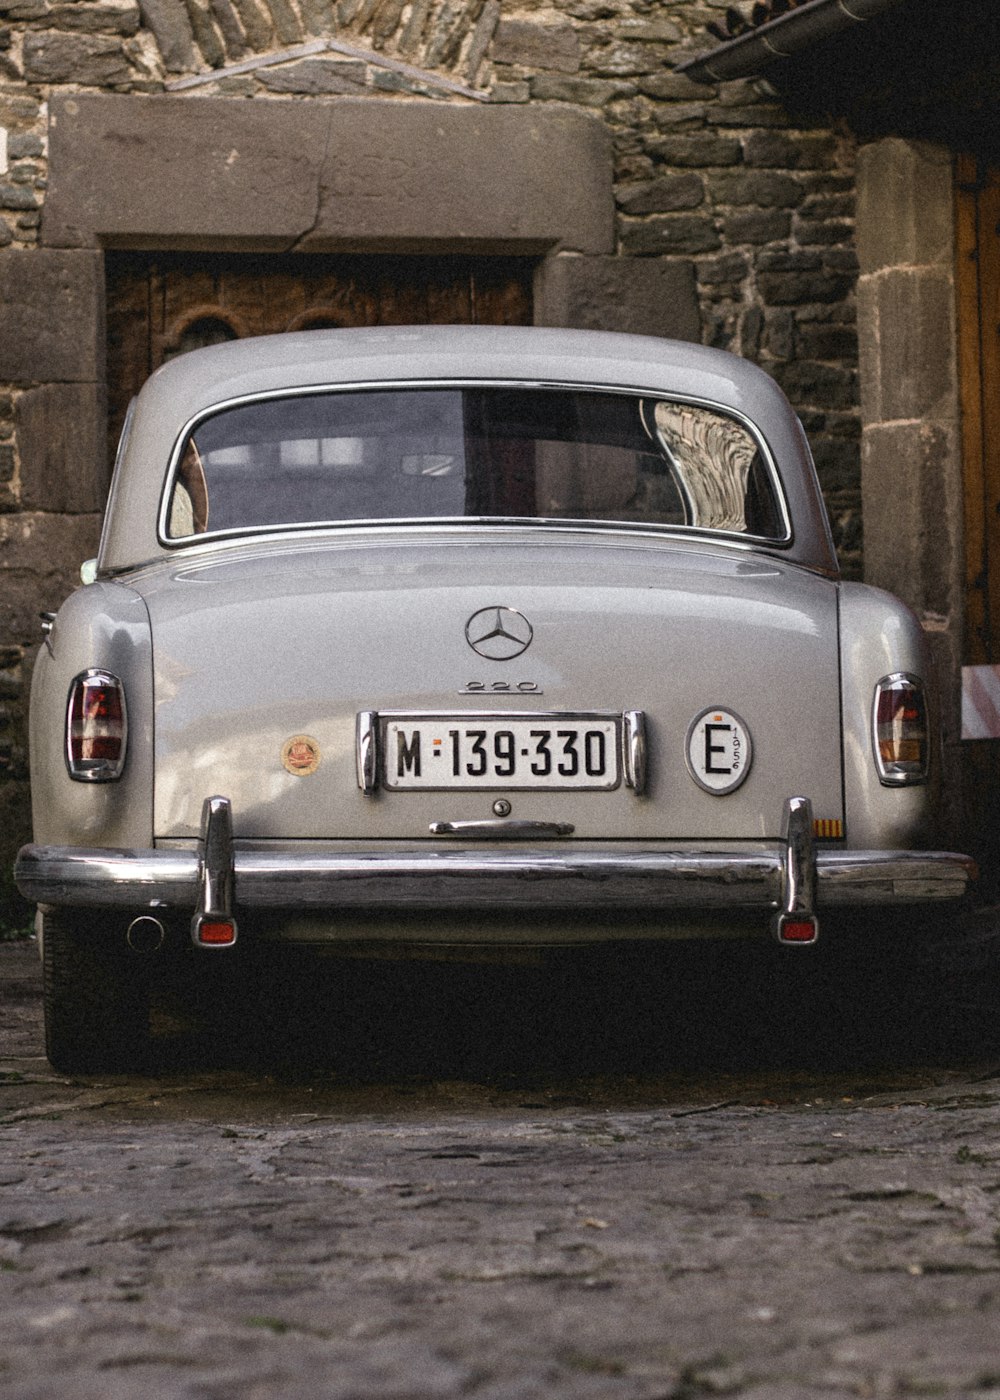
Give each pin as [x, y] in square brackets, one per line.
[686, 1178]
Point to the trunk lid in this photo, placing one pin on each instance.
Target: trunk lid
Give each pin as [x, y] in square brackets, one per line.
[265, 654]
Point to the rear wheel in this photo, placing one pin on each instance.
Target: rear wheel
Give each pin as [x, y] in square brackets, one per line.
[96, 997]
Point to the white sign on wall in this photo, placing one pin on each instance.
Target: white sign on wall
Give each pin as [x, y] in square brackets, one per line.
[981, 702]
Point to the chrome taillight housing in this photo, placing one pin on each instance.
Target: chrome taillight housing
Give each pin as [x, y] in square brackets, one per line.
[900, 731]
[96, 728]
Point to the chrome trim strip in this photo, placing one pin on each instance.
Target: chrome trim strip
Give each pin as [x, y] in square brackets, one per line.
[634, 750]
[215, 867]
[113, 877]
[503, 829]
[367, 750]
[577, 876]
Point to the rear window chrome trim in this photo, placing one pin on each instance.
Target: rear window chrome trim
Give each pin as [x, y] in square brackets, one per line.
[165, 540]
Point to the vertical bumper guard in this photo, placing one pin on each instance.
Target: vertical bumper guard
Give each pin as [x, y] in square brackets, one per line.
[796, 922]
[213, 925]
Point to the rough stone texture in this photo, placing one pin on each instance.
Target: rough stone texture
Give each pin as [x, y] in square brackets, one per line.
[647, 297]
[76, 58]
[703, 150]
[914, 180]
[51, 316]
[736, 1181]
[915, 524]
[120, 171]
[585, 92]
[671, 233]
[909, 364]
[42, 555]
[532, 45]
[62, 445]
[95, 19]
[765, 189]
[665, 195]
[315, 75]
[911, 443]
[171, 27]
[503, 180]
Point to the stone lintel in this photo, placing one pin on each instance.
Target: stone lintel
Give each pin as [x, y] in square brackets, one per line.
[62, 444]
[51, 316]
[325, 176]
[645, 296]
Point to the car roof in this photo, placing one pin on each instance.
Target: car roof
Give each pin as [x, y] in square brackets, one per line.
[194, 383]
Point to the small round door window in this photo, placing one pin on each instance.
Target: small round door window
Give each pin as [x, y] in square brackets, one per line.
[206, 330]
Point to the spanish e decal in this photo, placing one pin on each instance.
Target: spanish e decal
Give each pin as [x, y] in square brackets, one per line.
[719, 751]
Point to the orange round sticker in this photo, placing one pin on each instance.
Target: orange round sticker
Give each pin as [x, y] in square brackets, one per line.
[300, 755]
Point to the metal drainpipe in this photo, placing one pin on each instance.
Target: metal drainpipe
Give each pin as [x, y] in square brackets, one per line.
[797, 29]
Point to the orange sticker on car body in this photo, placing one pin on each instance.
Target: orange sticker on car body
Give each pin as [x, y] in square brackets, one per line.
[301, 755]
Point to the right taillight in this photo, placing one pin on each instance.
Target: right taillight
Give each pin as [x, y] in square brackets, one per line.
[900, 731]
[96, 728]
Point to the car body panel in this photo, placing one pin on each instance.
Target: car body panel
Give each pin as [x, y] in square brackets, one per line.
[106, 620]
[360, 625]
[257, 667]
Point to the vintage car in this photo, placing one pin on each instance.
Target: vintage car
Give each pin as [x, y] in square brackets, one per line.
[467, 636]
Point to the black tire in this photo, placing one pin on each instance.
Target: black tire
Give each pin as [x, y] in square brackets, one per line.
[95, 995]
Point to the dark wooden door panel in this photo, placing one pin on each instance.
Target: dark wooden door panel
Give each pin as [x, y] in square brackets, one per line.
[979, 341]
[161, 304]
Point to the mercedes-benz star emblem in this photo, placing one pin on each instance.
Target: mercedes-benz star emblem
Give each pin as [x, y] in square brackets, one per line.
[499, 634]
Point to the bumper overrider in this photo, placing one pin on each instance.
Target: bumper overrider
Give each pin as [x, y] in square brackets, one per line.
[789, 879]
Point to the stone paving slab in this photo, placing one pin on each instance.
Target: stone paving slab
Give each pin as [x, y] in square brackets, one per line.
[756, 1229]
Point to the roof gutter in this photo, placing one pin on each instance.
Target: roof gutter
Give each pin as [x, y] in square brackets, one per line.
[791, 32]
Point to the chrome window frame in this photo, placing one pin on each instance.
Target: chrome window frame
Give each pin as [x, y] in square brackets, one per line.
[166, 541]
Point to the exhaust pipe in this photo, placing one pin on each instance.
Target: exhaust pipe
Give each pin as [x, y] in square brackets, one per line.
[145, 934]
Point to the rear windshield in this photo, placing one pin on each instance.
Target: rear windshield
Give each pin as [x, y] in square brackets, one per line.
[471, 452]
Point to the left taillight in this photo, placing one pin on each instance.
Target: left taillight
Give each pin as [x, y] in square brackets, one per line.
[96, 728]
[900, 730]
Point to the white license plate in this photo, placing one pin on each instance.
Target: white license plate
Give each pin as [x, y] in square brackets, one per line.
[501, 751]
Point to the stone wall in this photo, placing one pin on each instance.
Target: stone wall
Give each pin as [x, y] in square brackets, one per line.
[720, 180]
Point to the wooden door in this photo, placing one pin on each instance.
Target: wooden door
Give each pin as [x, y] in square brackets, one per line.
[162, 304]
[978, 280]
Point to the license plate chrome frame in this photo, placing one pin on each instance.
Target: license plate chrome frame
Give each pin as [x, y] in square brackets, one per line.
[388, 724]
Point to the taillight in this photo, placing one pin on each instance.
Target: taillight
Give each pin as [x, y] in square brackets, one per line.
[96, 728]
[900, 731]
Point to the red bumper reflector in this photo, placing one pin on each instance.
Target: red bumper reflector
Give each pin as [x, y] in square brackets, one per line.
[792, 930]
[217, 932]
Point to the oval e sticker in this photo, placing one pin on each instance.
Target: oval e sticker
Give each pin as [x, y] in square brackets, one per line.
[300, 755]
[719, 750]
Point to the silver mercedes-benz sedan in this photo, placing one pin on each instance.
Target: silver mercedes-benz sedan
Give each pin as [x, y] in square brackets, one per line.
[463, 635]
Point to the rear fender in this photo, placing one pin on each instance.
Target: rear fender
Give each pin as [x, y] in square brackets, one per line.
[103, 625]
[879, 635]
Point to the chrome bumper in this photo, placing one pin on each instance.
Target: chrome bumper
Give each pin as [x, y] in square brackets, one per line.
[789, 877]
